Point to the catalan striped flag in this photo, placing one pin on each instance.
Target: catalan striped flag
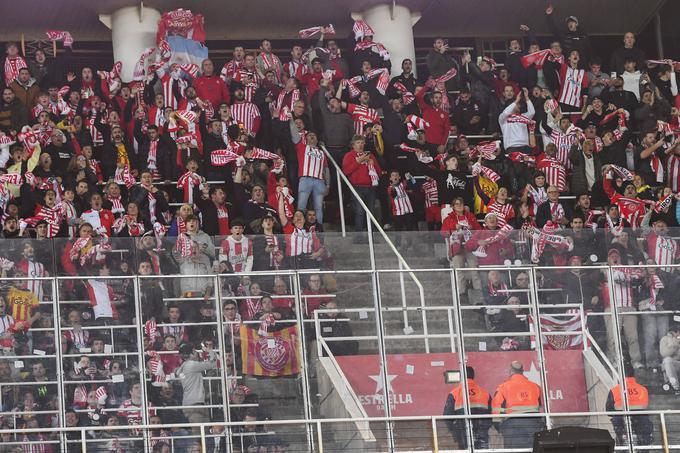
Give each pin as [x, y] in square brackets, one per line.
[274, 354]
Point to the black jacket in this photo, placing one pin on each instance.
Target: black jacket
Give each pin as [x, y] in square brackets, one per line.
[543, 213]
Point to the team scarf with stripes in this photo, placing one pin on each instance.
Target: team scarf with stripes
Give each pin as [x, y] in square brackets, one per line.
[478, 168]
[624, 173]
[12, 67]
[135, 228]
[516, 118]
[116, 204]
[501, 290]
[259, 153]
[383, 81]
[123, 176]
[500, 234]
[326, 30]
[382, 51]
[655, 285]
[406, 96]
[541, 238]
[267, 322]
[448, 75]
[184, 245]
[153, 152]
[188, 181]
[111, 76]
[60, 35]
[664, 203]
[485, 149]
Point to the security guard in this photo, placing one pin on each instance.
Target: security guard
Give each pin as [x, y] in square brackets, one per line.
[479, 402]
[518, 395]
[638, 400]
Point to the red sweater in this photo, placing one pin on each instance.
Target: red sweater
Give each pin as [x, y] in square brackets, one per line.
[358, 173]
[213, 89]
[440, 126]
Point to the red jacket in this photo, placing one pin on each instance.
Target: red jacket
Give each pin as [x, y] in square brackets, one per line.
[496, 252]
[358, 173]
[452, 220]
[213, 89]
[440, 126]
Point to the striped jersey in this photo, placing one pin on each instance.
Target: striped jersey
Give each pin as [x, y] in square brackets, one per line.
[300, 241]
[504, 212]
[249, 88]
[622, 289]
[239, 253]
[429, 188]
[248, 114]
[555, 174]
[33, 269]
[362, 115]
[563, 143]
[311, 161]
[572, 81]
[673, 172]
[401, 203]
[662, 249]
[285, 102]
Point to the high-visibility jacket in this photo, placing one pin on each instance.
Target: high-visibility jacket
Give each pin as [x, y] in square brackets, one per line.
[638, 397]
[516, 395]
[479, 399]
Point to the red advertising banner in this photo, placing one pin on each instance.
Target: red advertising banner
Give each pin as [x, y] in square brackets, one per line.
[416, 381]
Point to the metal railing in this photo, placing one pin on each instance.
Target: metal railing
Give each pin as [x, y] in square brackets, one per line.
[425, 433]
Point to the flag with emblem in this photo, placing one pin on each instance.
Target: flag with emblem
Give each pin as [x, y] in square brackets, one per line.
[566, 330]
[274, 354]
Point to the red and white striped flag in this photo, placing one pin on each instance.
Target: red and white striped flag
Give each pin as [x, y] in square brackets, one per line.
[569, 325]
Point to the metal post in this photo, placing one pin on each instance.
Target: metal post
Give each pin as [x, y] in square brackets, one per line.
[539, 346]
[616, 327]
[220, 344]
[658, 34]
[60, 362]
[458, 312]
[380, 330]
[407, 328]
[142, 362]
[83, 441]
[341, 204]
[305, 376]
[664, 433]
[435, 440]
[319, 436]
[203, 445]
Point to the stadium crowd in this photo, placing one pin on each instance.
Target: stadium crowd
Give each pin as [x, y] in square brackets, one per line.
[196, 171]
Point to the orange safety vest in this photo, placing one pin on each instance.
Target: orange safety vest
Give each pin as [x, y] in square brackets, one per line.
[478, 398]
[638, 397]
[516, 395]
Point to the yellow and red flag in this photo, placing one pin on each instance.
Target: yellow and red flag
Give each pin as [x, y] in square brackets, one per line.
[274, 354]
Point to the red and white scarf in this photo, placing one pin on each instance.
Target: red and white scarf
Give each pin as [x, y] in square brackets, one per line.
[383, 81]
[539, 239]
[516, 118]
[151, 159]
[655, 285]
[12, 67]
[135, 228]
[327, 30]
[123, 176]
[60, 35]
[382, 51]
[184, 245]
[406, 95]
[267, 322]
[188, 181]
[488, 173]
[486, 149]
[501, 234]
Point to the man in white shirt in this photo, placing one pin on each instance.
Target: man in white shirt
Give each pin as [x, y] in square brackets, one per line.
[514, 125]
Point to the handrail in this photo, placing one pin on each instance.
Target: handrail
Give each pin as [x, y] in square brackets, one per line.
[402, 262]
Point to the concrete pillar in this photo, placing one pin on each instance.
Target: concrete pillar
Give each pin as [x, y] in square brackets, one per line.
[133, 29]
[393, 27]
